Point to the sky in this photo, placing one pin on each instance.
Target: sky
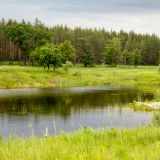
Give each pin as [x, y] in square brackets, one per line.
[142, 16]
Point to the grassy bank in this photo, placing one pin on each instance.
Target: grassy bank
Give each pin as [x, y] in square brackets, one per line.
[37, 77]
[87, 144]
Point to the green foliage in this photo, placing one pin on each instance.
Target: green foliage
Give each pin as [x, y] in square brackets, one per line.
[156, 118]
[53, 54]
[108, 53]
[113, 52]
[26, 36]
[85, 54]
[137, 57]
[56, 56]
[20, 35]
[68, 52]
[48, 54]
[40, 37]
[43, 55]
[127, 57]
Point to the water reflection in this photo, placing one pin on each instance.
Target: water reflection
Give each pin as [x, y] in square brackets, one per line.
[69, 108]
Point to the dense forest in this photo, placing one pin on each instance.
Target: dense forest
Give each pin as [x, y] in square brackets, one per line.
[20, 40]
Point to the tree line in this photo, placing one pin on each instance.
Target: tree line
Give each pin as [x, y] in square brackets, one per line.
[32, 42]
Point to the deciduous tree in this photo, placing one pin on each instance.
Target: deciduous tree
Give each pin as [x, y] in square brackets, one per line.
[113, 52]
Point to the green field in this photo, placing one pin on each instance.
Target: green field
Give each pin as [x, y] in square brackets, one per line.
[147, 77]
[86, 144]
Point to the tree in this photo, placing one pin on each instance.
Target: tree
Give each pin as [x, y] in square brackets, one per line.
[85, 54]
[97, 41]
[19, 39]
[56, 57]
[40, 36]
[127, 57]
[150, 50]
[68, 52]
[43, 55]
[112, 53]
[20, 35]
[136, 57]
[48, 54]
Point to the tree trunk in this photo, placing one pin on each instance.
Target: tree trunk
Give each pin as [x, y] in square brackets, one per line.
[32, 63]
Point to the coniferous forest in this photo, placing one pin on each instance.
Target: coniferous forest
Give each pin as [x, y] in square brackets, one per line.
[18, 41]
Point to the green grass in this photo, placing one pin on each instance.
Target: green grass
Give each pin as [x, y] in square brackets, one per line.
[86, 144]
[147, 77]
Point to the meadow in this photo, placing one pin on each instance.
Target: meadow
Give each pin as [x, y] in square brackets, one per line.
[114, 144]
[87, 143]
[143, 77]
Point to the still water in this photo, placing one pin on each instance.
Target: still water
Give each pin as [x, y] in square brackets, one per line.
[23, 111]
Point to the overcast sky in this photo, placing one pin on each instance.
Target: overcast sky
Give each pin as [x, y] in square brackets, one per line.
[142, 16]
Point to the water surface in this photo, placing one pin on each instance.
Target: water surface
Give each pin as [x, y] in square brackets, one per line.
[23, 111]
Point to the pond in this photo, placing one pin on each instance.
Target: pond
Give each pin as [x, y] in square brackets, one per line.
[23, 111]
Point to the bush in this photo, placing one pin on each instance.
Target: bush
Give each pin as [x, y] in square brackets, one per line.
[156, 118]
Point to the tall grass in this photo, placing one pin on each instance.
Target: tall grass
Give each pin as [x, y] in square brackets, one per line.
[156, 118]
[86, 144]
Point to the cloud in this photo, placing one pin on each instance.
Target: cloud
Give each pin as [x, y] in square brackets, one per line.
[106, 6]
[92, 6]
[139, 15]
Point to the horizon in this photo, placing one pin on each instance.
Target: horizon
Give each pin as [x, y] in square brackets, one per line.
[89, 28]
